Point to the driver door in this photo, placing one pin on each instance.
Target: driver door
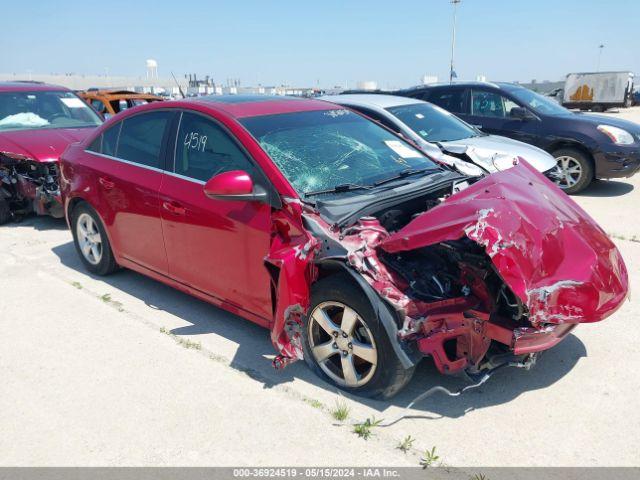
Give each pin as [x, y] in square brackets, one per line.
[215, 246]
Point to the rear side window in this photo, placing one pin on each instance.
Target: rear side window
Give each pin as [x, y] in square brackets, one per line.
[204, 149]
[451, 100]
[107, 142]
[110, 140]
[141, 137]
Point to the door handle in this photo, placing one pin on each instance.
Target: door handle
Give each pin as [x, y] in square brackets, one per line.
[106, 183]
[173, 207]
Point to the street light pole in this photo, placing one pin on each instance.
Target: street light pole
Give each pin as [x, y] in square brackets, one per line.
[600, 47]
[453, 40]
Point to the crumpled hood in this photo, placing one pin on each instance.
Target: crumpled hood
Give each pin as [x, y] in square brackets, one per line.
[548, 250]
[42, 145]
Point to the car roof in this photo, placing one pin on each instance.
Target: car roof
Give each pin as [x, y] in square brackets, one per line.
[370, 100]
[505, 85]
[240, 106]
[28, 86]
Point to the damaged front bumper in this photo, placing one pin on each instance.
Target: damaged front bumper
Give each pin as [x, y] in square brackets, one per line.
[29, 186]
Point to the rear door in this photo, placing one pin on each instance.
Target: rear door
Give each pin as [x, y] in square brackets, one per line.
[215, 246]
[491, 110]
[129, 173]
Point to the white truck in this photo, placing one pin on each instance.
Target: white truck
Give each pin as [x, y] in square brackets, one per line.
[598, 91]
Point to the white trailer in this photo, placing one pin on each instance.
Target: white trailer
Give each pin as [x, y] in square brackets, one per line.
[598, 91]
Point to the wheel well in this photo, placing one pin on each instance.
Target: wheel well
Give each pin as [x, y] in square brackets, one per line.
[576, 146]
[73, 203]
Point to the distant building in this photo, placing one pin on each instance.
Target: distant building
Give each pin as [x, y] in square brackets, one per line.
[427, 79]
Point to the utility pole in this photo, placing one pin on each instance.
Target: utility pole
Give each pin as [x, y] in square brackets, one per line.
[600, 47]
[452, 72]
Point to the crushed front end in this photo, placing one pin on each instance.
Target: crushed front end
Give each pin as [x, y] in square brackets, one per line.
[29, 186]
[509, 265]
[504, 268]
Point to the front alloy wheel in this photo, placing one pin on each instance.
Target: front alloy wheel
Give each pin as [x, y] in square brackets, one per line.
[575, 170]
[570, 172]
[342, 344]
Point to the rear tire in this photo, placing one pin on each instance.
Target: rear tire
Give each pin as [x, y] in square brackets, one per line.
[91, 241]
[5, 211]
[576, 169]
[336, 357]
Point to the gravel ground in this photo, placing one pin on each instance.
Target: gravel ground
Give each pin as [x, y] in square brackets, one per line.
[126, 371]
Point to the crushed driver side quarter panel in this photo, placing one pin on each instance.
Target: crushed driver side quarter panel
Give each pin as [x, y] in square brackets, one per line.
[548, 250]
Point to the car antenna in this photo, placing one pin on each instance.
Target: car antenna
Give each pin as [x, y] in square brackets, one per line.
[179, 87]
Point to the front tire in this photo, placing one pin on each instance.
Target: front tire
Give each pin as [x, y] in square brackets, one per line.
[91, 241]
[576, 170]
[345, 343]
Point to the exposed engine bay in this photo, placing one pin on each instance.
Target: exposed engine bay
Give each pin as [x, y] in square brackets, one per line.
[28, 186]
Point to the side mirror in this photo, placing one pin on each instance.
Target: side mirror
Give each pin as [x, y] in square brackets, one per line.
[234, 185]
[520, 113]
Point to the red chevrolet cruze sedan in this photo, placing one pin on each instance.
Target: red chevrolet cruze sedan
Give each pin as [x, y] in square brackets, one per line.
[358, 252]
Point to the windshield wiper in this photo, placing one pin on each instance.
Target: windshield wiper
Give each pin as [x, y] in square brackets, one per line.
[343, 187]
[405, 173]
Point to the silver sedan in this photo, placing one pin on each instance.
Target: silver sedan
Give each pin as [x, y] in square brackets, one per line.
[441, 134]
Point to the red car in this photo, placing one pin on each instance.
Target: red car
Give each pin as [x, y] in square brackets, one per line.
[37, 122]
[359, 253]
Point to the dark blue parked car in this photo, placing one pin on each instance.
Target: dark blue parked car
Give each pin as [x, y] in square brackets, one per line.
[586, 146]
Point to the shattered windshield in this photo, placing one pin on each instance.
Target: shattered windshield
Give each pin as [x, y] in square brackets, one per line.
[324, 149]
[432, 123]
[44, 109]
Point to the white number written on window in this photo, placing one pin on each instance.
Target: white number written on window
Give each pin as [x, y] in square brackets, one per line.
[195, 141]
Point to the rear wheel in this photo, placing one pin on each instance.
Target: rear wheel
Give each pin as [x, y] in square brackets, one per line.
[346, 344]
[91, 241]
[576, 170]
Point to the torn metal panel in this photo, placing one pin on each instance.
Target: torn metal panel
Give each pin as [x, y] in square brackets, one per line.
[292, 253]
[548, 250]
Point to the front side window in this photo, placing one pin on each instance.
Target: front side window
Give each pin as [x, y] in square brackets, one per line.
[320, 150]
[491, 104]
[204, 149]
[44, 109]
[141, 138]
[432, 123]
[487, 104]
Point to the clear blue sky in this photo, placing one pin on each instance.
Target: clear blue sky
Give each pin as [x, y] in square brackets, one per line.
[302, 42]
